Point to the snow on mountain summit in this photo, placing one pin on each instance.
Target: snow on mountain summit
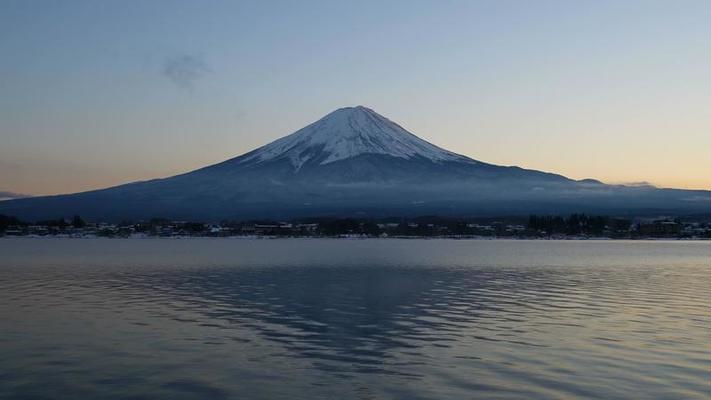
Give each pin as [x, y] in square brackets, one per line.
[349, 132]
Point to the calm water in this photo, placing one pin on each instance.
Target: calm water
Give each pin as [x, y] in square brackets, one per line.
[354, 319]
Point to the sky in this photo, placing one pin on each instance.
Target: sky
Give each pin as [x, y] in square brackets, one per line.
[97, 93]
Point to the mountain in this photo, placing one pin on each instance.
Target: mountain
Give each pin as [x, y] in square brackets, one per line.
[7, 195]
[354, 161]
[348, 133]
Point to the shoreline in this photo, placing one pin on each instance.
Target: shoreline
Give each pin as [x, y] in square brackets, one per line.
[267, 237]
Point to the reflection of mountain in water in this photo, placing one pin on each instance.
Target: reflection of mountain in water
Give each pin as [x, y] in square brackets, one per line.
[354, 319]
[358, 317]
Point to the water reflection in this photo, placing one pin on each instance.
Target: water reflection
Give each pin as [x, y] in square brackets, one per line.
[373, 320]
[386, 329]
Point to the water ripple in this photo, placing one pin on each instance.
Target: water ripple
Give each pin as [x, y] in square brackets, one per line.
[439, 319]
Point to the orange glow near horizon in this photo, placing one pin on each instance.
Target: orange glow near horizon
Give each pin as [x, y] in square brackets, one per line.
[614, 91]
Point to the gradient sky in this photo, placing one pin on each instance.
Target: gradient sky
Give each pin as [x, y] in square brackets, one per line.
[97, 93]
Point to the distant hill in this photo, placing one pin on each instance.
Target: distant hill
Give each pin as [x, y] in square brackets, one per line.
[6, 195]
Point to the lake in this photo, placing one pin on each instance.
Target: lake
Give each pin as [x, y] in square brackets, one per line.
[354, 319]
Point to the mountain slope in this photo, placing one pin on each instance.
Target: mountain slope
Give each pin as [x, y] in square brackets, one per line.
[356, 144]
[347, 133]
[355, 162]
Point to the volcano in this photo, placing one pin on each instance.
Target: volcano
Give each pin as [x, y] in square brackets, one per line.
[355, 162]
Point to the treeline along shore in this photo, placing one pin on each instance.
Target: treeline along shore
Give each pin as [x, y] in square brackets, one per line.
[575, 226]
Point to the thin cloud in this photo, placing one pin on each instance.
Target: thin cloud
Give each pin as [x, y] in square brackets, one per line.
[184, 70]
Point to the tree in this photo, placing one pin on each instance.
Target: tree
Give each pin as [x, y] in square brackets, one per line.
[77, 222]
[6, 221]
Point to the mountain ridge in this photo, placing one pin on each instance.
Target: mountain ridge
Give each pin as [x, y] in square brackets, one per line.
[348, 132]
[354, 161]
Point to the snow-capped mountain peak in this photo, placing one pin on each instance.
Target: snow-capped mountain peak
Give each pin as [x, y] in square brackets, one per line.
[349, 132]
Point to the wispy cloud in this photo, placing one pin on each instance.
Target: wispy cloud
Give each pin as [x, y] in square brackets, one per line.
[640, 184]
[185, 69]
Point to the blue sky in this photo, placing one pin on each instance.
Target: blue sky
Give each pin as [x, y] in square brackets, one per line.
[97, 93]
